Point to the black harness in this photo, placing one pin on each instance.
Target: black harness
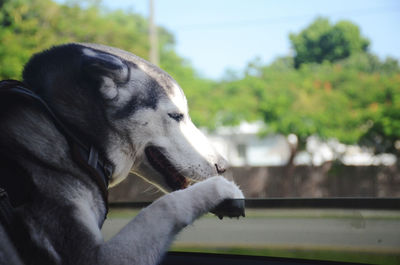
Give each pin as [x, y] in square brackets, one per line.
[86, 156]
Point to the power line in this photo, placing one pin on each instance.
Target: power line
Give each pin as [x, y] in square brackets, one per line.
[278, 20]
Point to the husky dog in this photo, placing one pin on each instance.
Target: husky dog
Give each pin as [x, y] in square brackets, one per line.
[136, 116]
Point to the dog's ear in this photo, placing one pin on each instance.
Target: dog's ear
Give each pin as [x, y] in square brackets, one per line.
[110, 70]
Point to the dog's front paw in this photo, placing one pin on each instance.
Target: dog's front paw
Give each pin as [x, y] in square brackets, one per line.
[230, 208]
[231, 199]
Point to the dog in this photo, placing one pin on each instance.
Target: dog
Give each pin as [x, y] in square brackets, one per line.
[132, 117]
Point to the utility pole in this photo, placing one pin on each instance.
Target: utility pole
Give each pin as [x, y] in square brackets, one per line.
[154, 59]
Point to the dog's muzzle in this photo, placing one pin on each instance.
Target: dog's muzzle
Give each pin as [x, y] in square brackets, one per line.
[174, 179]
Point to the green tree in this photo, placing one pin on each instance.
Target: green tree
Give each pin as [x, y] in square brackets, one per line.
[322, 41]
[29, 26]
[334, 101]
[354, 100]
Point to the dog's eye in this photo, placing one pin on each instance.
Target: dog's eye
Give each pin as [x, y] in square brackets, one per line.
[176, 116]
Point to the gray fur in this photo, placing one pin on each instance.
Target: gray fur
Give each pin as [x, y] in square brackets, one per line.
[119, 103]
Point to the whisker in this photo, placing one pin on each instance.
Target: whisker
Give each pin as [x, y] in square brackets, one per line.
[151, 189]
[192, 179]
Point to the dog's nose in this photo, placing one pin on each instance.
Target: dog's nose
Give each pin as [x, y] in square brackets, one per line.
[222, 165]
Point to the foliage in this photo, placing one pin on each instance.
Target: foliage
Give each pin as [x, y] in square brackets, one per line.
[29, 26]
[322, 41]
[332, 91]
[339, 100]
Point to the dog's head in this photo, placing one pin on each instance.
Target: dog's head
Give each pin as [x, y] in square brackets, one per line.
[133, 111]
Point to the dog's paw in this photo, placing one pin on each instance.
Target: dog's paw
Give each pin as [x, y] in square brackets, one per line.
[231, 199]
[230, 208]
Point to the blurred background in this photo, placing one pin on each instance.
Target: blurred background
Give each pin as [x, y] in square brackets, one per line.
[302, 97]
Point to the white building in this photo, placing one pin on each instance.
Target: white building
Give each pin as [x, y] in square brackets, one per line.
[242, 145]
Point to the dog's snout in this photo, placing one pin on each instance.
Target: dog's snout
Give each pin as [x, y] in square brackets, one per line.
[221, 166]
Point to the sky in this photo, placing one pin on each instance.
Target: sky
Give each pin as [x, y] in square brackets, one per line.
[216, 35]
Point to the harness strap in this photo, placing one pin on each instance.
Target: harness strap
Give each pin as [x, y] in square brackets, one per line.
[87, 157]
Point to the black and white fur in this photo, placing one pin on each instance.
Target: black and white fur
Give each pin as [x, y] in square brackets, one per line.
[121, 104]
